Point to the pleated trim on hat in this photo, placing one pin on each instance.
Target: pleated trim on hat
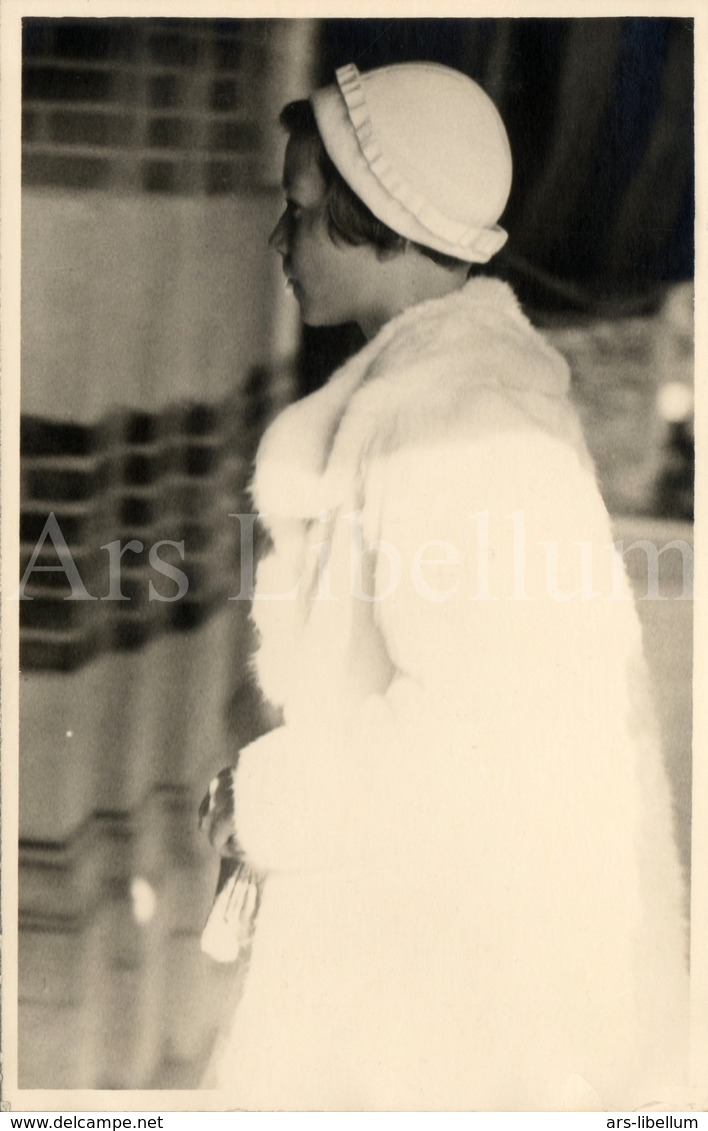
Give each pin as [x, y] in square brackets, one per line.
[480, 243]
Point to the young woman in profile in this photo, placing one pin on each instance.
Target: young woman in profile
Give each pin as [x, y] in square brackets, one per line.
[470, 896]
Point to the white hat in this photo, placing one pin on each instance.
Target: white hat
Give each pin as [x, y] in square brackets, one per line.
[425, 149]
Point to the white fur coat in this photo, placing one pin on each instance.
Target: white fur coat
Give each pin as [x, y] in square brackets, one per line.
[473, 899]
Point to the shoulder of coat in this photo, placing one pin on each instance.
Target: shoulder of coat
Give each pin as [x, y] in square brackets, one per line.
[471, 362]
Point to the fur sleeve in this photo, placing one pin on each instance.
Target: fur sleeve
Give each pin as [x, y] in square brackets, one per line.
[505, 733]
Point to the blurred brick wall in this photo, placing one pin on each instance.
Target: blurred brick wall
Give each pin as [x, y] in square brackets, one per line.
[160, 106]
[156, 342]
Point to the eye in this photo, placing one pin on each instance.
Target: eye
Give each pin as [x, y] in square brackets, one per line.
[293, 210]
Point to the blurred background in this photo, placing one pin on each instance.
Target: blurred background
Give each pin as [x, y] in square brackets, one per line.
[157, 342]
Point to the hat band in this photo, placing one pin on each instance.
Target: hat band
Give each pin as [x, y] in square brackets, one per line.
[472, 243]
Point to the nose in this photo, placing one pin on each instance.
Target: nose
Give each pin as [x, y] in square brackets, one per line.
[278, 237]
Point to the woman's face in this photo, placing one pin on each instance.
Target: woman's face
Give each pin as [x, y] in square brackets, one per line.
[333, 283]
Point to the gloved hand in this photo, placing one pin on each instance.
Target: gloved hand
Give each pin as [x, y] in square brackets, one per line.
[230, 924]
[216, 814]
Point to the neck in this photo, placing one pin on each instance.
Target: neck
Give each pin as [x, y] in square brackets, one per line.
[409, 288]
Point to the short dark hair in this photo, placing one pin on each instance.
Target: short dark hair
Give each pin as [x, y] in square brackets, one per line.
[349, 218]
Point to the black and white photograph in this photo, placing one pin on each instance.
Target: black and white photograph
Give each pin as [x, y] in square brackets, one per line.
[348, 561]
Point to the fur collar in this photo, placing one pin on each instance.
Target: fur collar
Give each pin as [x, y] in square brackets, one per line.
[422, 374]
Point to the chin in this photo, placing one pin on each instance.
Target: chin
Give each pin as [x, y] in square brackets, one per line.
[318, 318]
